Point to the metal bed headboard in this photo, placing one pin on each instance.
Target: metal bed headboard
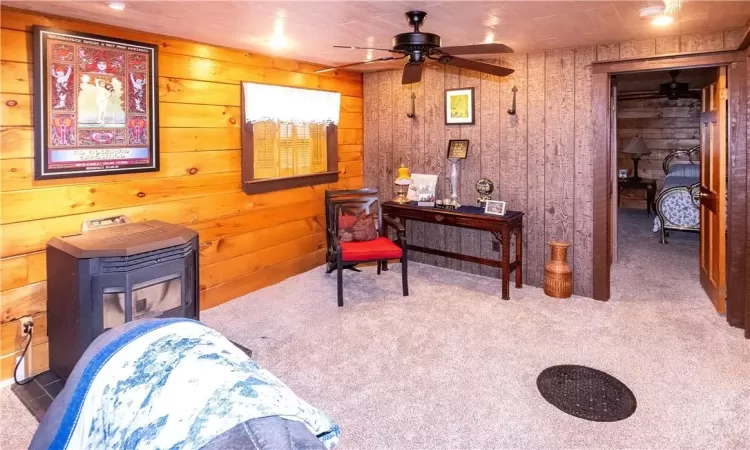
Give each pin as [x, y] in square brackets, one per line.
[693, 155]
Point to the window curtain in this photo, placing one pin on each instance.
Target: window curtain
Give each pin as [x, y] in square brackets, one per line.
[282, 104]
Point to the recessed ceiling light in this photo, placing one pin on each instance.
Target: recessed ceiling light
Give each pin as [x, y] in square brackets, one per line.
[278, 39]
[278, 42]
[117, 6]
[657, 15]
[662, 20]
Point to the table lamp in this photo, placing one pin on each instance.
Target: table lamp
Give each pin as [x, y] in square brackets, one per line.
[403, 180]
[636, 147]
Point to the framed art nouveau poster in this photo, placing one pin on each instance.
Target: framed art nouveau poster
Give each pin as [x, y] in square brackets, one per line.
[95, 105]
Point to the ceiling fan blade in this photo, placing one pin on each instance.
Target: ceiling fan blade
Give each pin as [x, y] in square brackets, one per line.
[412, 73]
[476, 65]
[386, 58]
[479, 49]
[352, 47]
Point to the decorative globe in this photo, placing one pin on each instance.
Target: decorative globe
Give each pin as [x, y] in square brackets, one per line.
[485, 187]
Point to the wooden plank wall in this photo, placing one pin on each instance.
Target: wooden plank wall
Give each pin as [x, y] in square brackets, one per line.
[540, 160]
[665, 125]
[247, 242]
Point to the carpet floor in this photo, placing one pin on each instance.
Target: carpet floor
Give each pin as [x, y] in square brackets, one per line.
[454, 366]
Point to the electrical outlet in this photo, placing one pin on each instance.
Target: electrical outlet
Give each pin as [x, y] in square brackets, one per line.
[27, 324]
[495, 246]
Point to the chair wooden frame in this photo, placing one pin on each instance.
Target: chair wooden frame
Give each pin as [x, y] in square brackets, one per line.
[359, 201]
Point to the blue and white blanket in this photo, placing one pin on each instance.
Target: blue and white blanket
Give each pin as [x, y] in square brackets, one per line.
[175, 383]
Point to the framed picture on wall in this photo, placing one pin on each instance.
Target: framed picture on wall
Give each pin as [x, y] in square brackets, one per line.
[459, 106]
[95, 105]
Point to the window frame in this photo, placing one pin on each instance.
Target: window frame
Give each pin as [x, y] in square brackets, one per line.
[251, 185]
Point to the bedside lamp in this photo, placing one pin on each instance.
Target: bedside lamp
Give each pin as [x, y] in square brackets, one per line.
[636, 147]
[403, 180]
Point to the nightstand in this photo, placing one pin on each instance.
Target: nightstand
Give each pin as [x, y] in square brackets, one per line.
[648, 185]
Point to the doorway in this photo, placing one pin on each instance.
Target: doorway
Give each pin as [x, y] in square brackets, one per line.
[656, 160]
[737, 296]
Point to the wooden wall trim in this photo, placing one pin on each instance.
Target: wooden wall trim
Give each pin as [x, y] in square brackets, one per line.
[668, 62]
[602, 192]
[737, 294]
[745, 41]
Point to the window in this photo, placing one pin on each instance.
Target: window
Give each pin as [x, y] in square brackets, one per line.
[289, 137]
[286, 150]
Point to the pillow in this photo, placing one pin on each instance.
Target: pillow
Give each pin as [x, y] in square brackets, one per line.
[357, 228]
[685, 170]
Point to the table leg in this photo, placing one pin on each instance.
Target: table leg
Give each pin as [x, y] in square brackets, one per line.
[650, 199]
[385, 261]
[519, 257]
[505, 262]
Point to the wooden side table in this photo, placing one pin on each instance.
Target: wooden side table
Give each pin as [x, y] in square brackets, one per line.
[501, 227]
[646, 184]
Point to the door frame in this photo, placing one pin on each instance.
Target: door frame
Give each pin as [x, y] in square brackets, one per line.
[738, 297]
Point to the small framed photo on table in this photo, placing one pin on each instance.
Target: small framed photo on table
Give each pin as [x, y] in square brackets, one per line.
[495, 207]
[458, 148]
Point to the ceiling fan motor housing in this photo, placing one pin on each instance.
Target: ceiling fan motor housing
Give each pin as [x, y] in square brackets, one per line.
[416, 44]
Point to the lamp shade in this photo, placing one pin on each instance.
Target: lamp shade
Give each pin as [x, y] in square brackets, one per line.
[636, 146]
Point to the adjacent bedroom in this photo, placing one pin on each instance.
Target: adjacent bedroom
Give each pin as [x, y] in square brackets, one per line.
[657, 132]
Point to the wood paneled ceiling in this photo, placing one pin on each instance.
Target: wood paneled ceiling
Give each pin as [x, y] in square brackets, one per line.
[311, 27]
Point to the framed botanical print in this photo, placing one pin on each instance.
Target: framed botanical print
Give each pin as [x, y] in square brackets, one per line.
[95, 105]
[459, 106]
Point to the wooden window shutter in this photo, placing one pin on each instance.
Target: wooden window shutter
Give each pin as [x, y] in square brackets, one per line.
[318, 148]
[264, 153]
[277, 156]
[302, 149]
[286, 150]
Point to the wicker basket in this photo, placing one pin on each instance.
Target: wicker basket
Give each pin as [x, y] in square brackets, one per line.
[558, 280]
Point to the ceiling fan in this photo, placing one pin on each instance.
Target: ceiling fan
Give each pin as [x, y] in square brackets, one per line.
[420, 47]
[674, 90]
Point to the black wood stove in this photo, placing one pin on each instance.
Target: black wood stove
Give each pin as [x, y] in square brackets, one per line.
[107, 276]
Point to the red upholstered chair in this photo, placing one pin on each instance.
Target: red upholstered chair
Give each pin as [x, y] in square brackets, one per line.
[346, 255]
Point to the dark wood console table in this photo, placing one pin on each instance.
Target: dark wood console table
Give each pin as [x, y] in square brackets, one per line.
[472, 217]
